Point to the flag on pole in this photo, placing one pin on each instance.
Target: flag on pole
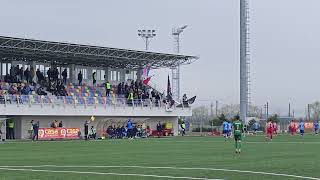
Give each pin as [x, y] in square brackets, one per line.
[169, 93]
[146, 81]
[145, 75]
[146, 71]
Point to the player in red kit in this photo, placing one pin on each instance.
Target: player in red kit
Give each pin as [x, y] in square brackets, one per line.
[275, 128]
[269, 130]
[293, 128]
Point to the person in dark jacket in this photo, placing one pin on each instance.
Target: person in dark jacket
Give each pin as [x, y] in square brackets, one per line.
[86, 130]
[27, 75]
[64, 76]
[35, 127]
[159, 129]
[49, 74]
[130, 129]
[38, 74]
[94, 78]
[60, 124]
[80, 77]
[55, 74]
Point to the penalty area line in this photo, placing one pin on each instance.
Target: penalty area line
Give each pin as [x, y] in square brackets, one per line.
[102, 173]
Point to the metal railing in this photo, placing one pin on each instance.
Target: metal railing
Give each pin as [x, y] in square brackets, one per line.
[79, 101]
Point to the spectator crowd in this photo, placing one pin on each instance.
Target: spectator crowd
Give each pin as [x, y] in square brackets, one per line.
[22, 81]
[27, 81]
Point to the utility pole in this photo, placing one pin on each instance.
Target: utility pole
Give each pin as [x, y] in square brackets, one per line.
[266, 107]
[292, 113]
[211, 115]
[217, 104]
[309, 112]
[267, 110]
[211, 110]
[289, 110]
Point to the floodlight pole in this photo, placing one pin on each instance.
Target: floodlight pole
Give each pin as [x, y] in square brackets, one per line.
[176, 70]
[244, 60]
[147, 35]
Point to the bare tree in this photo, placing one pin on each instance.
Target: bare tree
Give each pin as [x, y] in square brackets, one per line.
[314, 110]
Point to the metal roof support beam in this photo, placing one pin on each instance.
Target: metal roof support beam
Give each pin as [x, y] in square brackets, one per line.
[86, 55]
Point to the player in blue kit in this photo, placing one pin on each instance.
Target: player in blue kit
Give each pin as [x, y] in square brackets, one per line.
[225, 125]
[230, 129]
[301, 127]
[316, 127]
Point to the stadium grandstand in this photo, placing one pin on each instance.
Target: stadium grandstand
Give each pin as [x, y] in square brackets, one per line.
[51, 82]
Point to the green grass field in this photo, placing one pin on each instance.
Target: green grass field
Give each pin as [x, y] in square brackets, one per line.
[167, 158]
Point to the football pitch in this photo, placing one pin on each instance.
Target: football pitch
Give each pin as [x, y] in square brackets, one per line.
[286, 157]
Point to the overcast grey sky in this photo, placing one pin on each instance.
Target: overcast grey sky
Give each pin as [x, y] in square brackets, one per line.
[284, 40]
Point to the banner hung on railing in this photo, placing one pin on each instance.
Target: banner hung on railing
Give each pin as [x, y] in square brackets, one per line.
[59, 133]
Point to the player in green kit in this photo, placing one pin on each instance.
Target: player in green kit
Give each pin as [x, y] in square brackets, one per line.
[237, 131]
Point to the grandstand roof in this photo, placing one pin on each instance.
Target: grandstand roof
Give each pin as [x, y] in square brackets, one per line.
[86, 55]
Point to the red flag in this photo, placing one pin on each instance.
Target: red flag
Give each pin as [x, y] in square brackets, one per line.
[146, 81]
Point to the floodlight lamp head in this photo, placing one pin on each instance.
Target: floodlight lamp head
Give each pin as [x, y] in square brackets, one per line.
[183, 27]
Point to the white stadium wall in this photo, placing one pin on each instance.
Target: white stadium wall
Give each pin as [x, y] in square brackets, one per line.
[22, 123]
[74, 116]
[99, 110]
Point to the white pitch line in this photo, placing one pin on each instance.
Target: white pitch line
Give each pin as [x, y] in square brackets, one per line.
[102, 173]
[248, 142]
[175, 168]
[169, 140]
[279, 142]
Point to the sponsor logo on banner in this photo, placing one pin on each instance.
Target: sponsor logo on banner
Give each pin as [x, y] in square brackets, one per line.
[58, 133]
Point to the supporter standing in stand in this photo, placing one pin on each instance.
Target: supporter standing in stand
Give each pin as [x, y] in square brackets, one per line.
[32, 75]
[108, 88]
[56, 74]
[64, 76]
[21, 73]
[38, 74]
[49, 74]
[16, 73]
[94, 78]
[27, 75]
[80, 77]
